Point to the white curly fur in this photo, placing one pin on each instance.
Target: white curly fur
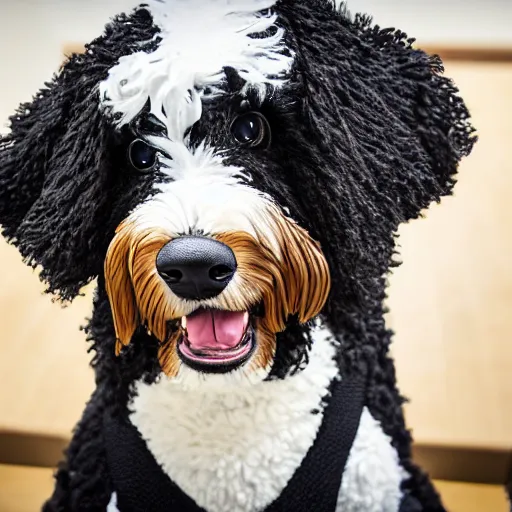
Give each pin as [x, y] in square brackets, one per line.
[234, 448]
[372, 477]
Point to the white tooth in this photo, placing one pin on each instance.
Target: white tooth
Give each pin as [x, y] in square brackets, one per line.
[184, 322]
[246, 318]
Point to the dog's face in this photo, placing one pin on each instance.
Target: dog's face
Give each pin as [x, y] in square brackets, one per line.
[218, 163]
[211, 264]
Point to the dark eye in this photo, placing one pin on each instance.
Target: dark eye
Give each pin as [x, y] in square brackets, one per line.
[141, 156]
[251, 130]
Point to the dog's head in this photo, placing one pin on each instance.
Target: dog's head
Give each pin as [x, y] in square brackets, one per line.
[218, 162]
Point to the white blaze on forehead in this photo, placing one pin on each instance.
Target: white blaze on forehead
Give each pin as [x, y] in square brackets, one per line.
[199, 38]
[203, 161]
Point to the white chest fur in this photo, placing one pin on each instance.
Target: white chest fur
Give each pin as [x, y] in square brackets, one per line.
[236, 450]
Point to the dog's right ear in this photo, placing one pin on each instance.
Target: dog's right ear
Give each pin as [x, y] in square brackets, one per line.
[26, 151]
[58, 170]
[37, 126]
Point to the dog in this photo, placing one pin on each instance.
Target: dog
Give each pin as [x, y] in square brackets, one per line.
[233, 174]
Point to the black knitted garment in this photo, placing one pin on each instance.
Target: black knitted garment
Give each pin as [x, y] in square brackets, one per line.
[141, 484]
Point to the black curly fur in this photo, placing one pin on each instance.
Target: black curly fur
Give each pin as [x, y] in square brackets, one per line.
[60, 208]
[369, 133]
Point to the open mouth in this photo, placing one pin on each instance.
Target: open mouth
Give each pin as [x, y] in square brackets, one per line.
[216, 341]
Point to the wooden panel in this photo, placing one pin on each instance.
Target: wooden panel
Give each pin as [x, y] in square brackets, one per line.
[462, 497]
[464, 463]
[24, 489]
[31, 448]
[451, 300]
[470, 54]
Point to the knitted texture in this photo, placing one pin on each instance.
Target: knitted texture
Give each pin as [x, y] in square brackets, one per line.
[141, 484]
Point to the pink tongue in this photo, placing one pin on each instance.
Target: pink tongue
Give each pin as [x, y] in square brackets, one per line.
[217, 330]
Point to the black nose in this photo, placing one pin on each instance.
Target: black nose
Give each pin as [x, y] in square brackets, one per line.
[196, 267]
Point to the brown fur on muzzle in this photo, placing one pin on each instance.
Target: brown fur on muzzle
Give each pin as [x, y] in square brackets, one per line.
[294, 280]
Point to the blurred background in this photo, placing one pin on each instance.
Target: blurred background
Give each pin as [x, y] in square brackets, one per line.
[450, 301]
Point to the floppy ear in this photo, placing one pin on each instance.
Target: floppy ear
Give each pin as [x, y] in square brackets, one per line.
[24, 154]
[392, 127]
[60, 227]
[56, 181]
[430, 105]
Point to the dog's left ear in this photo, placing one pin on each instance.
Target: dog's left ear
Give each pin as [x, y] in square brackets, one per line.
[428, 103]
[392, 125]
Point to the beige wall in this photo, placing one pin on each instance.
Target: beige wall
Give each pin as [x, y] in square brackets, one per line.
[32, 33]
[458, 22]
